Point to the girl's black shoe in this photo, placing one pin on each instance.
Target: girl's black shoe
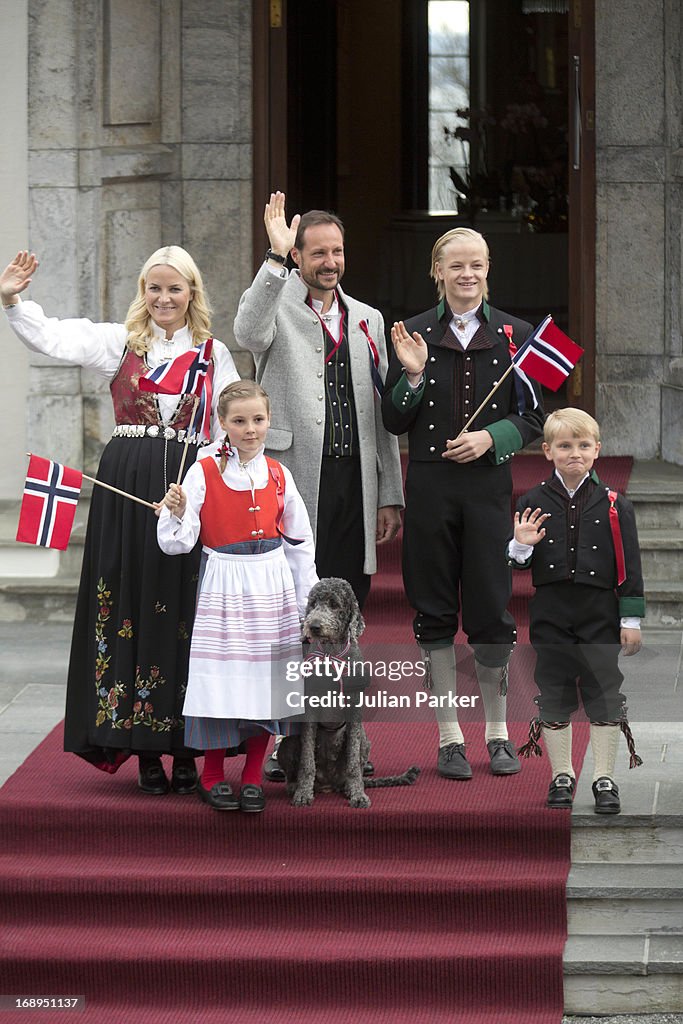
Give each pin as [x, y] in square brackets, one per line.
[252, 798]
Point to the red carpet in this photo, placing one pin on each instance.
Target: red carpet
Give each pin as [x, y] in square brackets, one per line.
[443, 902]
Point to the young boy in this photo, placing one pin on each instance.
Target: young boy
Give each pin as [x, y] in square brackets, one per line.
[579, 538]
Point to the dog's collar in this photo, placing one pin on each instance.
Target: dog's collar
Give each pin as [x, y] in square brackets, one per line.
[333, 655]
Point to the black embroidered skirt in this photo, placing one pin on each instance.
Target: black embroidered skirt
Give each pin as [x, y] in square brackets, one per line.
[131, 640]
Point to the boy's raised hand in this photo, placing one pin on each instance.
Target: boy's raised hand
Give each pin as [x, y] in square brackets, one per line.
[529, 527]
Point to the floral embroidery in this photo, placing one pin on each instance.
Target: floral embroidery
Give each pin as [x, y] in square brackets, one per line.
[108, 705]
[104, 611]
[159, 607]
[143, 709]
[182, 631]
[113, 699]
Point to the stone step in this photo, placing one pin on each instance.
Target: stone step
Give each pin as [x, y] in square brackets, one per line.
[31, 561]
[626, 841]
[604, 898]
[38, 599]
[664, 604]
[617, 973]
[661, 552]
[656, 490]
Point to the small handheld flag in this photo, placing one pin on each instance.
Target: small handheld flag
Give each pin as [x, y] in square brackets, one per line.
[49, 504]
[548, 355]
[201, 421]
[183, 375]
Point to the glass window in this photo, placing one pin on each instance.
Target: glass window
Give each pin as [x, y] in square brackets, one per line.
[449, 91]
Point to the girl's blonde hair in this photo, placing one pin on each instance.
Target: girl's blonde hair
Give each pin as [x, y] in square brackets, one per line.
[576, 421]
[198, 316]
[239, 389]
[455, 235]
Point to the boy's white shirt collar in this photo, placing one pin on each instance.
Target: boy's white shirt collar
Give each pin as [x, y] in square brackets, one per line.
[571, 493]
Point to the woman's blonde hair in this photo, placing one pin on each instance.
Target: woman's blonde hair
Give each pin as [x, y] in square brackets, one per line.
[239, 389]
[576, 421]
[198, 317]
[455, 235]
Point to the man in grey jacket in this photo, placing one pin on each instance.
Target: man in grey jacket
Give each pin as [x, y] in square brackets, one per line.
[321, 357]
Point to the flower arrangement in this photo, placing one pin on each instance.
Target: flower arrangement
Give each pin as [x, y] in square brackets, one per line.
[527, 174]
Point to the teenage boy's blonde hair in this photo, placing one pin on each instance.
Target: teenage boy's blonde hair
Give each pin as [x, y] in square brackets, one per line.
[576, 421]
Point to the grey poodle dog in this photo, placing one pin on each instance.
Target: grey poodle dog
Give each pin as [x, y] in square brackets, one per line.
[329, 756]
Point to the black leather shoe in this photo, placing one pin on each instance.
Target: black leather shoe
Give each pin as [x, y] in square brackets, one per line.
[606, 795]
[561, 791]
[504, 760]
[151, 777]
[184, 776]
[220, 796]
[252, 798]
[368, 770]
[273, 771]
[452, 763]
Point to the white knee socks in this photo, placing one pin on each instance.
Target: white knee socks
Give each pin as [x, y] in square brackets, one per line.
[495, 705]
[443, 681]
[604, 743]
[558, 743]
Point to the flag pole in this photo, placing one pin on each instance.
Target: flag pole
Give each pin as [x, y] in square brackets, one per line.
[488, 397]
[116, 490]
[187, 440]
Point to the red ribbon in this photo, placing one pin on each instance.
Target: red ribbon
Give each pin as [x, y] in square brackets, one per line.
[275, 471]
[616, 537]
[508, 334]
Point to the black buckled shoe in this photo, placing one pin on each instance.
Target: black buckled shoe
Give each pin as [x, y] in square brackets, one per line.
[220, 796]
[184, 776]
[561, 791]
[504, 760]
[151, 777]
[606, 795]
[252, 798]
[452, 763]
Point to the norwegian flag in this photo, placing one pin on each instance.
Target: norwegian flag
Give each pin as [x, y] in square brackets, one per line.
[49, 504]
[183, 375]
[547, 355]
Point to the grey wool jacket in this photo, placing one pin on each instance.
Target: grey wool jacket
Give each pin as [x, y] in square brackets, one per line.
[276, 324]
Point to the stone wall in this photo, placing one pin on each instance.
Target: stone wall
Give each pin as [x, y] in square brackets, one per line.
[639, 229]
[13, 234]
[139, 136]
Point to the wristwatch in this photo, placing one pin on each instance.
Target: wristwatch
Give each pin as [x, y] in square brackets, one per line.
[270, 255]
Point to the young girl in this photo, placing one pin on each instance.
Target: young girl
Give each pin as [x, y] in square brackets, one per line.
[257, 569]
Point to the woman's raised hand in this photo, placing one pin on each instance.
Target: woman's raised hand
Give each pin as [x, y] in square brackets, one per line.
[280, 236]
[17, 275]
